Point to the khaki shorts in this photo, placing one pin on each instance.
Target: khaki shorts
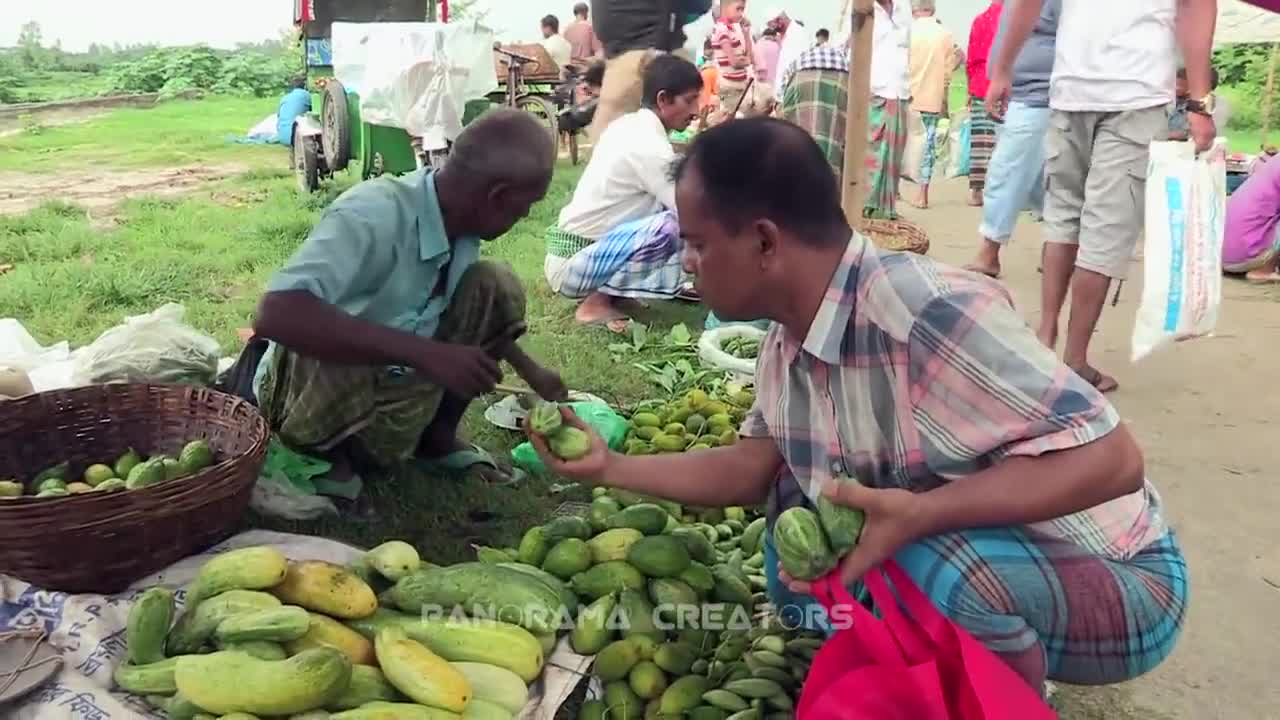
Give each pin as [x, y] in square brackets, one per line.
[1095, 183]
[757, 101]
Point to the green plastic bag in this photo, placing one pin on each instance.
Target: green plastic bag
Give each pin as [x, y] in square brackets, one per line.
[611, 426]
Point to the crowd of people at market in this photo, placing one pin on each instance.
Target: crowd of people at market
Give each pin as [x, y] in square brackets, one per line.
[994, 471]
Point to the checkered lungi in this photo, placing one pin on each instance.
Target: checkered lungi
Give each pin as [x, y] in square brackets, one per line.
[817, 100]
[638, 259]
[886, 145]
[314, 406]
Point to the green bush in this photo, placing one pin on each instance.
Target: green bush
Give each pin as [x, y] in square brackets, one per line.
[173, 70]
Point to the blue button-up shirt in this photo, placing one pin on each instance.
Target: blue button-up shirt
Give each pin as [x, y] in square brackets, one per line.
[378, 254]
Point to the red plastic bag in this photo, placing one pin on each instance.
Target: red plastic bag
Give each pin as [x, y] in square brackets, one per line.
[912, 665]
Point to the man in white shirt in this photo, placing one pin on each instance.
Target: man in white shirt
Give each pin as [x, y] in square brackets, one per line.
[557, 47]
[1112, 82]
[890, 101]
[618, 239]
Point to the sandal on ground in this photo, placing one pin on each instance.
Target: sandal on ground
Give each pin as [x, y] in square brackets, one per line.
[460, 461]
[1102, 382]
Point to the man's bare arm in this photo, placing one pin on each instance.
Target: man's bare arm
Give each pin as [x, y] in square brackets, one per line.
[1194, 27]
[1026, 13]
[1024, 490]
[305, 323]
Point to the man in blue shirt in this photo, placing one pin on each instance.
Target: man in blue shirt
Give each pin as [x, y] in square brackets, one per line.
[385, 324]
[294, 103]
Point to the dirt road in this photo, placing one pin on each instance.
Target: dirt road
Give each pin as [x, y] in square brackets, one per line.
[1206, 414]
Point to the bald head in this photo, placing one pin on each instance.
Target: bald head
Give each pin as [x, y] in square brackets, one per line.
[503, 146]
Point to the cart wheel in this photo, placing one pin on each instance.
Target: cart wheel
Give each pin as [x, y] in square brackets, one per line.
[336, 123]
[544, 110]
[306, 164]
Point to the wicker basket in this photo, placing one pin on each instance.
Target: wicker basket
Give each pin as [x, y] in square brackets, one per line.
[103, 542]
[900, 235]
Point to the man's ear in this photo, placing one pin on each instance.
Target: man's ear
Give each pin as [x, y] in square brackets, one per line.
[767, 239]
[497, 194]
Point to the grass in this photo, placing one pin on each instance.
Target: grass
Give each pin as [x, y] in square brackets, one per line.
[180, 132]
[213, 250]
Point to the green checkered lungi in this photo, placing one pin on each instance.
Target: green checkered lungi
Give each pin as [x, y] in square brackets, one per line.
[314, 406]
[816, 100]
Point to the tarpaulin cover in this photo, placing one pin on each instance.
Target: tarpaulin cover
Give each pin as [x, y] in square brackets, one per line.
[415, 75]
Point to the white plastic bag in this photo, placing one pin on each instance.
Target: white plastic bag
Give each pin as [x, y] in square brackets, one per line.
[157, 347]
[48, 368]
[415, 75]
[711, 355]
[915, 147]
[1186, 204]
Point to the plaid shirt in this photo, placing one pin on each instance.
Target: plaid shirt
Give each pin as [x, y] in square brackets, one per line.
[816, 58]
[914, 374]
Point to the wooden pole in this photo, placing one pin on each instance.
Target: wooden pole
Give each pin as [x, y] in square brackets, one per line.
[1267, 96]
[855, 139]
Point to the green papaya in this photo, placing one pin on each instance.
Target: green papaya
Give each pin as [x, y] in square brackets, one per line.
[659, 556]
[648, 518]
[607, 577]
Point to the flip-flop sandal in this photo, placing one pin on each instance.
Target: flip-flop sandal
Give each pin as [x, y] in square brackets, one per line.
[688, 294]
[459, 461]
[982, 271]
[1101, 382]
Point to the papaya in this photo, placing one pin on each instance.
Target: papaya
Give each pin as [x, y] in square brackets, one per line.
[326, 588]
[591, 631]
[648, 518]
[568, 558]
[613, 544]
[420, 674]
[659, 556]
[324, 631]
[607, 577]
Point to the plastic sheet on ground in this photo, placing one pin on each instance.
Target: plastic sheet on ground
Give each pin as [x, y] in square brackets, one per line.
[88, 630]
[415, 76]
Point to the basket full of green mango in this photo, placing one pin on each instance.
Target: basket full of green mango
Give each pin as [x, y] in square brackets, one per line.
[128, 478]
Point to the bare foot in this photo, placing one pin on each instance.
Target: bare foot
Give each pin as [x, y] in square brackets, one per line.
[599, 309]
[922, 202]
[991, 271]
[1263, 277]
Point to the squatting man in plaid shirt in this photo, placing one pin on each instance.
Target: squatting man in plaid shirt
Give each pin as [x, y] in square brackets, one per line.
[1005, 485]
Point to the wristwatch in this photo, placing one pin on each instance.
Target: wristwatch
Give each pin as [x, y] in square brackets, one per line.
[1203, 106]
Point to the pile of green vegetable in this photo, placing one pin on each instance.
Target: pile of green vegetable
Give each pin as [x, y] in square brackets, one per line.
[672, 607]
[744, 348]
[264, 637]
[130, 471]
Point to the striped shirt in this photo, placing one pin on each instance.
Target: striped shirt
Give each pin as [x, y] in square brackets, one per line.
[914, 374]
[732, 33]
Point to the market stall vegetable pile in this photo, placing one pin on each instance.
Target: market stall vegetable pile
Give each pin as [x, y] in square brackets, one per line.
[668, 599]
[130, 471]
